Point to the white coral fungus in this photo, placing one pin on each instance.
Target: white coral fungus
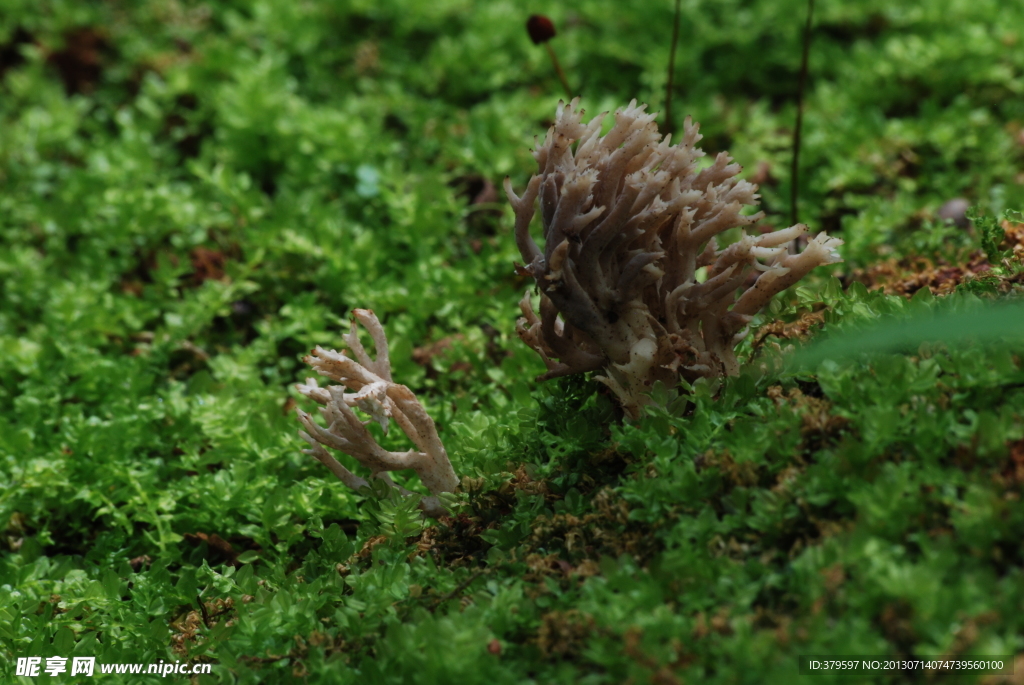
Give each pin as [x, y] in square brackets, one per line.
[373, 392]
[628, 221]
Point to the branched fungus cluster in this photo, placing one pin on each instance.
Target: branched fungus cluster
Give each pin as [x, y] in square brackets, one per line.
[631, 278]
[373, 392]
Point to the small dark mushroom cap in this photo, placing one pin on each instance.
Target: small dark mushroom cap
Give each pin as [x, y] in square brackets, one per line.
[540, 28]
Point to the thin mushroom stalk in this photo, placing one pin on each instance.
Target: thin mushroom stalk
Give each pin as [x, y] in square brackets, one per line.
[632, 281]
[365, 384]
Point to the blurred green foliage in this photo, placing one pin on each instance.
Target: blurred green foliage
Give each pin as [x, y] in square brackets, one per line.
[196, 193]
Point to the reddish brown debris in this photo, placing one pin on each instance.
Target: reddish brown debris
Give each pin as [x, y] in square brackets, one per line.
[424, 355]
[908, 275]
[1012, 473]
[220, 551]
[661, 674]
[815, 413]
[139, 562]
[800, 329]
[80, 62]
[188, 629]
[564, 634]
[207, 265]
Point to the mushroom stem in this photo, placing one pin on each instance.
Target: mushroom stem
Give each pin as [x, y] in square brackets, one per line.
[558, 70]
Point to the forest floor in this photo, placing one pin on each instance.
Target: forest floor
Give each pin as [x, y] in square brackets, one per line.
[195, 194]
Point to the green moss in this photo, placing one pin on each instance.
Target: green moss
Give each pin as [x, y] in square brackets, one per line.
[196, 194]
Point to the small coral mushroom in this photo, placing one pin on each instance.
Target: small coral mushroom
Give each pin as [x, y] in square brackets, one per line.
[374, 393]
[628, 221]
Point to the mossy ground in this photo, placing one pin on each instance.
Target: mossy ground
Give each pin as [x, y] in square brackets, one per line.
[195, 194]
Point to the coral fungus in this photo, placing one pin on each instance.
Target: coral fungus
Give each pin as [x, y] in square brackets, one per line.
[631, 278]
[373, 392]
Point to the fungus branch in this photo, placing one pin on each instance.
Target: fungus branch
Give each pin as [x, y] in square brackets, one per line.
[371, 390]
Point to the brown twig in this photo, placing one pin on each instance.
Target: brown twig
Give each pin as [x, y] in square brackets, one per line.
[669, 122]
[267, 659]
[460, 587]
[206, 614]
[558, 70]
[794, 194]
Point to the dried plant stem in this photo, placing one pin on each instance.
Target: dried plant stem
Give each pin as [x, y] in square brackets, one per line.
[669, 121]
[558, 70]
[794, 193]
